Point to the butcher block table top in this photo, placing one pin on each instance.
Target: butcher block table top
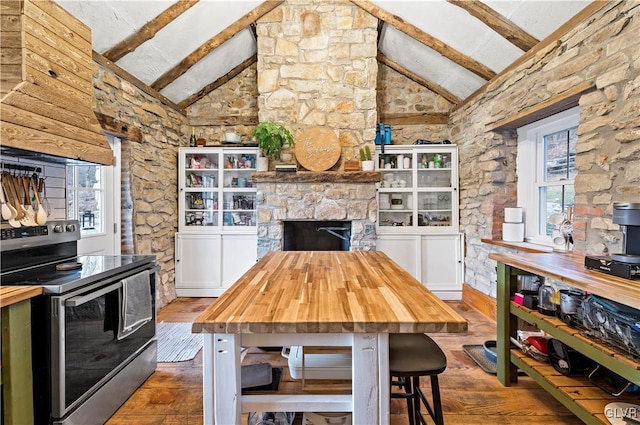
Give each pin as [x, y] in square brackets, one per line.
[328, 292]
[13, 294]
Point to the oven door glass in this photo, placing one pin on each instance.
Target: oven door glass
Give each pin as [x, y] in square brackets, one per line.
[92, 351]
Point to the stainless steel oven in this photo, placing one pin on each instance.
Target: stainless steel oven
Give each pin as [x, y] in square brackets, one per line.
[85, 364]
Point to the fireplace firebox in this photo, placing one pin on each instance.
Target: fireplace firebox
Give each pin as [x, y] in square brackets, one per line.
[314, 235]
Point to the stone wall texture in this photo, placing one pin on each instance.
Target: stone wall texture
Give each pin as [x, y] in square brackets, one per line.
[602, 49]
[235, 101]
[152, 170]
[317, 67]
[397, 94]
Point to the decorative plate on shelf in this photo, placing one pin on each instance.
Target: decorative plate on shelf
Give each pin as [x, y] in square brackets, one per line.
[318, 149]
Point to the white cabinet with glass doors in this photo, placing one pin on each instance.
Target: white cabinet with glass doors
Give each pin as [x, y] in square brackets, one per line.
[217, 239]
[418, 214]
[216, 192]
[418, 192]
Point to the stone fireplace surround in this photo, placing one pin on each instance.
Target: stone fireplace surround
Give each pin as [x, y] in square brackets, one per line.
[322, 196]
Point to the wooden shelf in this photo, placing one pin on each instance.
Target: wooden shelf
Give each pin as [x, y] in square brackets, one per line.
[605, 355]
[575, 392]
[579, 395]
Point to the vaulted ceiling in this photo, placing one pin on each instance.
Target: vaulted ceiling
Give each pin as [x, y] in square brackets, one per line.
[182, 50]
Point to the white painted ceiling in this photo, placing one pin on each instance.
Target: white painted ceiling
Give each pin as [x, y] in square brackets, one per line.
[112, 21]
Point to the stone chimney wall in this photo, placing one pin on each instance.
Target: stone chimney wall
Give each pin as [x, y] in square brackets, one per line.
[317, 67]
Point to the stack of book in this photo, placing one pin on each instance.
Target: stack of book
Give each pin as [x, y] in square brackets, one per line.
[352, 166]
[286, 168]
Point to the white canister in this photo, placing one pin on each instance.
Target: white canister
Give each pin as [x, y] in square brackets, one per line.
[513, 232]
[385, 203]
[400, 162]
[407, 162]
[513, 215]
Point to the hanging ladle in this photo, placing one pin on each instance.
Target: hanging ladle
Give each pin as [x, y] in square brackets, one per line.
[41, 216]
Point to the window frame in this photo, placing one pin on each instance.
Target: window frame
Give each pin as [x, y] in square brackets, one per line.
[74, 189]
[531, 173]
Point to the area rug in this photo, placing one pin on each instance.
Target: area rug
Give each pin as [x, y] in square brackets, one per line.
[176, 343]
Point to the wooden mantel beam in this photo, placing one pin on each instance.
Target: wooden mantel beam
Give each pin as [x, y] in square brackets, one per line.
[148, 30]
[507, 29]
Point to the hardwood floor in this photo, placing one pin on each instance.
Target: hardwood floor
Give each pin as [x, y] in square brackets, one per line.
[173, 394]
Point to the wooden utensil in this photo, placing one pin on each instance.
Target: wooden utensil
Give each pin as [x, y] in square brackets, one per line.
[41, 216]
[42, 189]
[25, 220]
[26, 185]
[6, 184]
[14, 196]
[6, 211]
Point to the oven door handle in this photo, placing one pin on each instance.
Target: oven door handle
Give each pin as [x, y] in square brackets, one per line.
[81, 299]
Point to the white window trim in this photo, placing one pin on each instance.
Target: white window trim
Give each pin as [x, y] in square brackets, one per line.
[529, 139]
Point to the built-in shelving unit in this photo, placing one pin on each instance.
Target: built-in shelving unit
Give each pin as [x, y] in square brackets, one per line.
[418, 214]
[576, 392]
[217, 218]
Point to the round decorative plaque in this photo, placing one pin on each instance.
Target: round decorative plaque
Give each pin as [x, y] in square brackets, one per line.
[318, 149]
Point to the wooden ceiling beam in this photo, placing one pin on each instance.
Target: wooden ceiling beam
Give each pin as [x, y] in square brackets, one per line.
[507, 29]
[554, 37]
[214, 42]
[101, 60]
[148, 30]
[219, 82]
[418, 79]
[119, 128]
[223, 121]
[416, 33]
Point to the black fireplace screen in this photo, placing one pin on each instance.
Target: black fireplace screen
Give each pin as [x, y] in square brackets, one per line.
[313, 235]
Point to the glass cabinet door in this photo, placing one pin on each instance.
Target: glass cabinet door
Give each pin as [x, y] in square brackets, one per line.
[216, 189]
[200, 189]
[434, 186]
[418, 189]
[239, 194]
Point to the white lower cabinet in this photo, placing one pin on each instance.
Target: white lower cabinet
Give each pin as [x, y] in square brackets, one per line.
[442, 265]
[434, 260]
[208, 264]
[404, 250]
[239, 253]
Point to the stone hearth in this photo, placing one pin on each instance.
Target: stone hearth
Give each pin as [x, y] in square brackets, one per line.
[316, 196]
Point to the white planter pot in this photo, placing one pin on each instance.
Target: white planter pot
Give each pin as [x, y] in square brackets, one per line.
[367, 165]
[262, 164]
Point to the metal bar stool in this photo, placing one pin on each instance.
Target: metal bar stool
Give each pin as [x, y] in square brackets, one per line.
[410, 357]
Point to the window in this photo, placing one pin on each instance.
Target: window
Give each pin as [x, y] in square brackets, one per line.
[546, 171]
[85, 197]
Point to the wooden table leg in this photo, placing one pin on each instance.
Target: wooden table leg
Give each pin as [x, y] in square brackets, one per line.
[207, 378]
[226, 376]
[366, 392]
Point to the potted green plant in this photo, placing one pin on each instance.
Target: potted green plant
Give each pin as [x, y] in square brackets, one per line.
[271, 138]
[365, 158]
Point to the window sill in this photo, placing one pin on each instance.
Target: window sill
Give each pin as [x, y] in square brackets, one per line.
[519, 246]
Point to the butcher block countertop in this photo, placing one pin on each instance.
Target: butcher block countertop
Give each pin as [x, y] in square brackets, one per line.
[570, 270]
[13, 294]
[327, 292]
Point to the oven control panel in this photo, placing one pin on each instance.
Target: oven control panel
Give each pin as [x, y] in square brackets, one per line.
[51, 233]
[23, 232]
